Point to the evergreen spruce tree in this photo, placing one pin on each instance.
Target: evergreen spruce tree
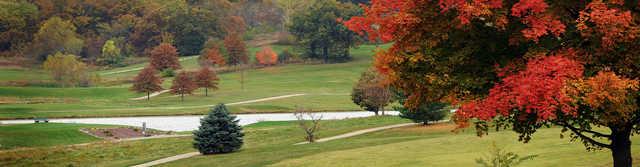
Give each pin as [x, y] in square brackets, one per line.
[425, 113]
[219, 132]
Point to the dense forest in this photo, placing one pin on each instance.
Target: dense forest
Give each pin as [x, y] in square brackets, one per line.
[35, 29]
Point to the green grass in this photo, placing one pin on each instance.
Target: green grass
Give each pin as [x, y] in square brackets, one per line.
[42, 135]
[436, 147]
[327, 87]
[271, 144]
[264, 142]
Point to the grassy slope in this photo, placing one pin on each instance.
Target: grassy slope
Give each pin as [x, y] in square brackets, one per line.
[329, 85]
[265, 142]
[433, 147]
[41, 135]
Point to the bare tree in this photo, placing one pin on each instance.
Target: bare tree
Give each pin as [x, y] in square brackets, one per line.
[310, 126]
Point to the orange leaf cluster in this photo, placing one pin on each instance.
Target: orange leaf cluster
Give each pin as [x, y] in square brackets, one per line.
[609, 24]
[212, 56]
[267, 56]
[607, 93]
[164, 56]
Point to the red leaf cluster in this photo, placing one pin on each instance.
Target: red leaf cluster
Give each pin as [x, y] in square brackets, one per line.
[164, 56]
[207, 78]
[535, 90]
[183, 84]
[211, 57]
[147, 81]
[609, 24]
[267, 56]
[384, 19]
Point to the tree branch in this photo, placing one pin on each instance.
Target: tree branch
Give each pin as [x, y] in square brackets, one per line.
[584, 137]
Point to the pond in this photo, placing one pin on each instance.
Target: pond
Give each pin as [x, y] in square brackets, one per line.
[189, 123]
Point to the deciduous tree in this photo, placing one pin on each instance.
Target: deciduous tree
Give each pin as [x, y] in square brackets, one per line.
[55, 35]
[510, 63]
[183, 84]
[211, 57]
[66, 69]
[147, 81]
[207, 79]
[236, 53]
[164, 56]
[370, 92]
[266, 56]
[319, 33]
[111, 54]
[236, 50]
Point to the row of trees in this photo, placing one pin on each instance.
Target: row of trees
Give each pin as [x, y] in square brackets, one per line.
[517, 64]
[148, 81]
[91, 29]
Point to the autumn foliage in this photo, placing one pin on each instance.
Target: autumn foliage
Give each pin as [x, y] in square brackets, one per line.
[183, 84]
[164, 56]
[212, 57]
[207, 79]
[147, 81]
[266, 56]
[521, 64]
[535, 91]
[236, 49]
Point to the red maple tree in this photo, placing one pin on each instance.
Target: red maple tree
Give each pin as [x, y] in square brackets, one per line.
[183, 84]
[212, 57]
[147, 81]
[568, 63]
[207, 79]
[164, 56]
[266, 56]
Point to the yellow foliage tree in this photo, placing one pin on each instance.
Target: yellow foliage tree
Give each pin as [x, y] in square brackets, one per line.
[66, 69]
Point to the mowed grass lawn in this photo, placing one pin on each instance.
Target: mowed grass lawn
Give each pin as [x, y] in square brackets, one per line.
[435, 145]
[271, 144]
[44, 134]
[265, 143]
[327, 88]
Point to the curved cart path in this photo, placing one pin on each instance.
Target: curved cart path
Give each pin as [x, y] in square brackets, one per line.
[342, 136]
[154, 94]
[140, 68]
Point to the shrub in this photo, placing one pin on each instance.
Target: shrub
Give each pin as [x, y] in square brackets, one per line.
[219, 132]
[66, 69]
[500, 158]
[425, 113]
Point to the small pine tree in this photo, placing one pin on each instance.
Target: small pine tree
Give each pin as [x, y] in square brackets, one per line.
[183, 84]
[219, 132]
[424, 113]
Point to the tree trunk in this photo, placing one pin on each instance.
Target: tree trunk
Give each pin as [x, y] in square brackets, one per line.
[382, 110]
[325, 53]
[148, 94]
[621, 147]
[181, 96]
[376, 112]
[241, 78]
[206, 93]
